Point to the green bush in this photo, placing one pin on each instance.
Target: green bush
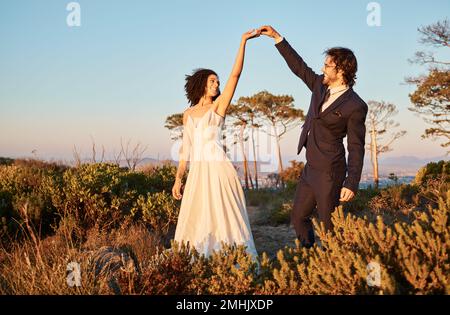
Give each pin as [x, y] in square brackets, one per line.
[6, 161]
[100, 194]
[258, 197]
[433, 170]
[161, 178]
[281, 213]
[159, 210]
[24, 184]
[95, 194]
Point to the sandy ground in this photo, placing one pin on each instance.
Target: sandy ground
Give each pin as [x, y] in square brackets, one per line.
[268, 238]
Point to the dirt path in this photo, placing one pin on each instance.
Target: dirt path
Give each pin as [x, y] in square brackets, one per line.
[269, 238]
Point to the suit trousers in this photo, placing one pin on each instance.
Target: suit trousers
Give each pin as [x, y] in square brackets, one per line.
[315, 189]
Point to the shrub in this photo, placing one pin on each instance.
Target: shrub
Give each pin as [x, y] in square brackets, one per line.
[99, 194]
[96, 194]
[433, 170]
[361, 199]
[413, 258]
[182, 270]
[161, 178]
[281, 213]
[171, 271]
[398, 201]
[412, 254]
[230, 271]
[258, 197]
[291, 174]
[23, 183]
[6, 161]
[159, 210]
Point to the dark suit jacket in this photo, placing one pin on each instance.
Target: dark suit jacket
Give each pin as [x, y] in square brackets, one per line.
[323, 132]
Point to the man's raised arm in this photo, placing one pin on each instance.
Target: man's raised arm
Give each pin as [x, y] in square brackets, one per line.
[293, 60]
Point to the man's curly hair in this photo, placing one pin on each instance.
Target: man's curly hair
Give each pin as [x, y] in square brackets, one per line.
[345, 60]
[196, 84]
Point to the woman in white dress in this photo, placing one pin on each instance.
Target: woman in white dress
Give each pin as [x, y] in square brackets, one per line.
[213, 208]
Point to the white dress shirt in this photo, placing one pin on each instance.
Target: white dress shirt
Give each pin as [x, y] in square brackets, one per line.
[334, 94]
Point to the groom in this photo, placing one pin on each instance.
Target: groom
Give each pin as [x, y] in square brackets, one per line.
[335, 111]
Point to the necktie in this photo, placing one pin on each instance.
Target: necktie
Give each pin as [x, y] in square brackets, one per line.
[327, 96]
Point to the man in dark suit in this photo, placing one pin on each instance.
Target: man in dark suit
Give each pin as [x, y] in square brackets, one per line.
[335, 111]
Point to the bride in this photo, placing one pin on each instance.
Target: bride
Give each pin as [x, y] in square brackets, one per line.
[213, 208]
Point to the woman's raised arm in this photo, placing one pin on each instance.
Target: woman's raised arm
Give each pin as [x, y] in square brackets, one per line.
[224, 99]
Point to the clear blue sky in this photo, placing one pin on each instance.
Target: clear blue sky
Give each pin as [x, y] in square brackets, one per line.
[121, 73]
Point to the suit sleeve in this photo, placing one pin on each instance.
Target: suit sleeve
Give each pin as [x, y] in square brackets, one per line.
[296, 64]
[356, 134]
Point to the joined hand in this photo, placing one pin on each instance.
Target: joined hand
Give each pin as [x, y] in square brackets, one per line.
[251, 34]
[269, 31]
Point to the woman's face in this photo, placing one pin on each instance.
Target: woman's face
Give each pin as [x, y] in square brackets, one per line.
[212, 85]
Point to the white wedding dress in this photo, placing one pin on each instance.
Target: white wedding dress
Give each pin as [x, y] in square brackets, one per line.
[213, 206]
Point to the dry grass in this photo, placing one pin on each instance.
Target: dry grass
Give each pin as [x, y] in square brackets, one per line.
[39, 266]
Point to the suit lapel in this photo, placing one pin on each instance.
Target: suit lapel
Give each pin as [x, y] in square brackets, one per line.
[322, 97]
[336, 103]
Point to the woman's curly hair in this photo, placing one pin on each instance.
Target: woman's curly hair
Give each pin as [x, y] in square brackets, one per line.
[196, 84]
[345, 60]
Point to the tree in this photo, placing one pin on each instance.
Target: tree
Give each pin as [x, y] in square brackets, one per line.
[241, 120]
[291, 174]
[278, 111]
[380, 125]
[249, 114]
[254, 125]
[175, 124]
[134, 157]
[431, 99]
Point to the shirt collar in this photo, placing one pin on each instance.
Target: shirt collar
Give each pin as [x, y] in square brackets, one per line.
[340, 88]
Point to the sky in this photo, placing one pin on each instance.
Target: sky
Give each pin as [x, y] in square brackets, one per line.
[121, 72]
